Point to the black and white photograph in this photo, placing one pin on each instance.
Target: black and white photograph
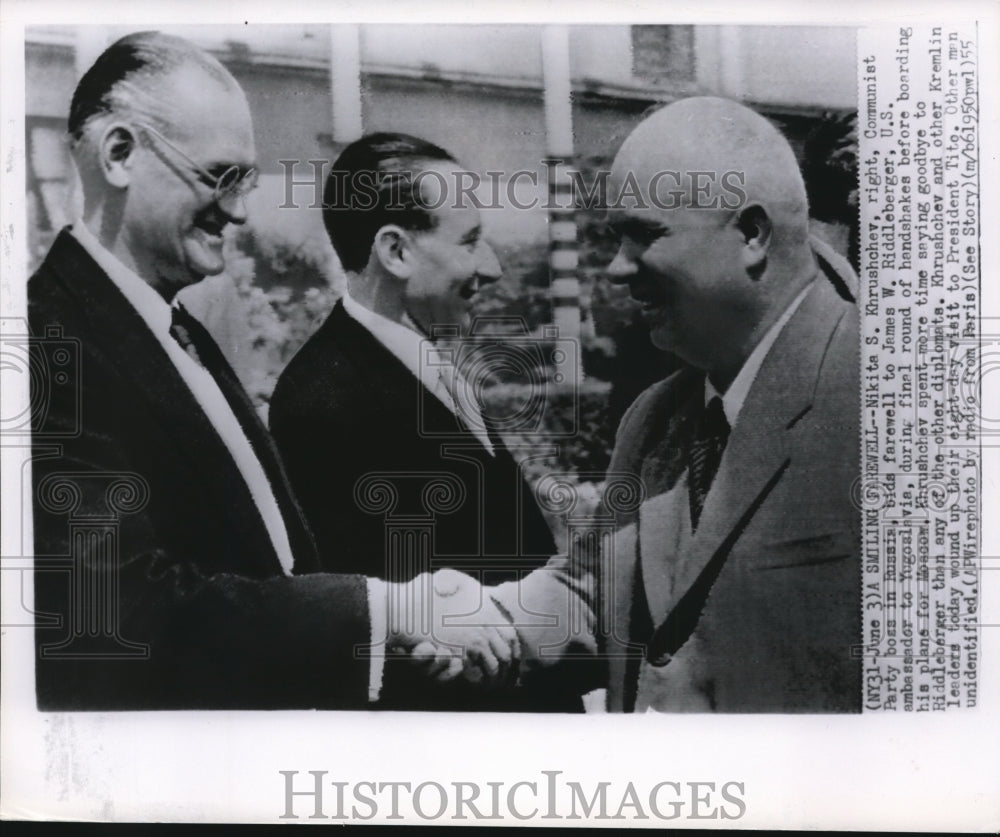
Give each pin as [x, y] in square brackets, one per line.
[395, 400]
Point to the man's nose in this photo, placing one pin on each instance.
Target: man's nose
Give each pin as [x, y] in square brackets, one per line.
[235, 207]
[487, 266]
[622, 267]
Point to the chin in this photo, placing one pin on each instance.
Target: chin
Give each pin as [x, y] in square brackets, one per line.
[455, 320]
[197, 271]
[192, 276]
[660, 338]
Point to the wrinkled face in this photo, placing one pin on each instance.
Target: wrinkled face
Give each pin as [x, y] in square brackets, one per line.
[452, 261]
[172, 221]
[684, 266]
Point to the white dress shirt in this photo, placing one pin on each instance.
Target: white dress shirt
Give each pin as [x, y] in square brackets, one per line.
[156, 313]
[732, 401]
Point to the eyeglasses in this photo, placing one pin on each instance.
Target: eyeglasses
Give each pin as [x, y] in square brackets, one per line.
[233, 182]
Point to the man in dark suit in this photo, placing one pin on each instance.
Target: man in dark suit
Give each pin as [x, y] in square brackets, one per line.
[371, 396]
[173, 567]
[735, 585]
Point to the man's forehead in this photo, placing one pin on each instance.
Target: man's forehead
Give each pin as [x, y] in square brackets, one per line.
[443, 183]
[447, 192]
[200, 106]
[456, 221]
[638, 193]
[627, 215]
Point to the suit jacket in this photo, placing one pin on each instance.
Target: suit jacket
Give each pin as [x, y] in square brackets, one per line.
[764, 614]
[156, 584]
[344, 408]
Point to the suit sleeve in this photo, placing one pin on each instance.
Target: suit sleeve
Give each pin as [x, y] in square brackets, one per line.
[127, 620]
[632, 431]
[554, 610]
[558, 610]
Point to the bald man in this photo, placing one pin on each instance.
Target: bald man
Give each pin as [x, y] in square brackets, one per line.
[173, 566]
[735, 587]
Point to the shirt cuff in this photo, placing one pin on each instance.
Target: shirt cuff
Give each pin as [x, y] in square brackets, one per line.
[379, 617]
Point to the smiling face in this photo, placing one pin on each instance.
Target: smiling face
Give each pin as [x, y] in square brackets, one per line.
[172, 223]
[684, 267]
[693, 264]
[450, 262]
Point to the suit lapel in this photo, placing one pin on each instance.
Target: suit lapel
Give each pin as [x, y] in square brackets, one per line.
[123, 337]
[755, 457]
[662, 466]
[211, 357]
[384, 372]
[662, 520]
[621, 594]
[661, 516]
[394, 382]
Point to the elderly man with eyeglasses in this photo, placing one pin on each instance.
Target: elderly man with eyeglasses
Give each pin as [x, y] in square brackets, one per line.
[195, 584]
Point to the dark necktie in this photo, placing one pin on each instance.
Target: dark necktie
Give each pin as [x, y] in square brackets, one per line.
[194, 338]
[704, 454]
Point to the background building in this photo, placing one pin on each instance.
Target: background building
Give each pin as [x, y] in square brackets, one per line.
[476, 90]
[501, 98]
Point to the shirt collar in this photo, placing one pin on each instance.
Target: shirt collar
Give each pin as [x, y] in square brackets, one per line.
[152, 307]
[736, 395]
[403, 342]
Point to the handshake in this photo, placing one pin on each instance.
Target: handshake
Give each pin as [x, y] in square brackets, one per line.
[448, 627]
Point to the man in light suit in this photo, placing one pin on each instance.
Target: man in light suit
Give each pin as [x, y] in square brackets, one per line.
[736, 585]
[173, 568]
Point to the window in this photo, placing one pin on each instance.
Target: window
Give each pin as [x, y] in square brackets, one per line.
[663, 53]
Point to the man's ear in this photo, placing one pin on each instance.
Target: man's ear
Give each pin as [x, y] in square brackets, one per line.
[116, 153]
[391, 248]
[755, 228]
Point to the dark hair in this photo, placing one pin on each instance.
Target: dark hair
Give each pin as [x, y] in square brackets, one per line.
[138, 56]
[370, 185]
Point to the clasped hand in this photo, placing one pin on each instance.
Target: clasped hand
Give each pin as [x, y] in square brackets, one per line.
[449, 627]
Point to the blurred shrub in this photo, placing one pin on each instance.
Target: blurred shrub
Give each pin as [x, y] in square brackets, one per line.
[285, 289]
[571, 437]
[570, 422]
[523, 290]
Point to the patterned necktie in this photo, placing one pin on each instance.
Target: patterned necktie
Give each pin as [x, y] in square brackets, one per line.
[199, 344]
[185, 330]
[704, 454]
[465, 404]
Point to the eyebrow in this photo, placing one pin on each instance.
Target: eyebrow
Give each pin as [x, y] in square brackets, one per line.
[218, 169]
[472, 235]
[637, 228]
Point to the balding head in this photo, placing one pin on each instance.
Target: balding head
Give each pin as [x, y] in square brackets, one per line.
[713, 217]
[724, 154]
[163, 140]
